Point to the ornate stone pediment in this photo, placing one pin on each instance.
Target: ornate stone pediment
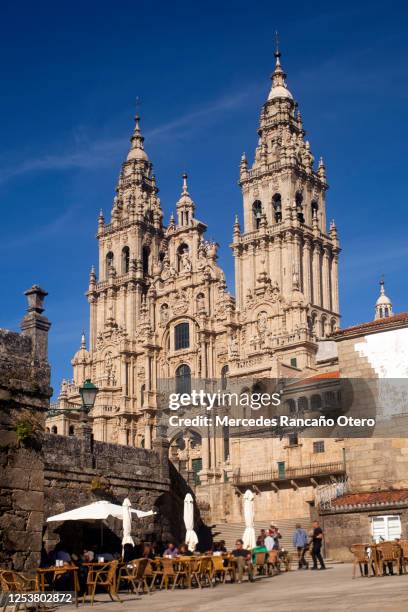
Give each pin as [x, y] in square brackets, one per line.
[112, 333]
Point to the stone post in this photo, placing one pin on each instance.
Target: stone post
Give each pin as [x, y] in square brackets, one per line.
[34, 324]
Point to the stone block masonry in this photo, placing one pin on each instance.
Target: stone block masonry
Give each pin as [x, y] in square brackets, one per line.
[24, 399]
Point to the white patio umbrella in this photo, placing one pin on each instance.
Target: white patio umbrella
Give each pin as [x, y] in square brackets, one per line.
[127, 523]
[191, 536]
[249, 533]
[99, 510]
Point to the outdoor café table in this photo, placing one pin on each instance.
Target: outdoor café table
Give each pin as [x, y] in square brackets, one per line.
[58, 571]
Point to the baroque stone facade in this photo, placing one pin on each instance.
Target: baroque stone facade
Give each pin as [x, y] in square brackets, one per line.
[160, 309]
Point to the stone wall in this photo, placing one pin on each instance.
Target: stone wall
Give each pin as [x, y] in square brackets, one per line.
[24, 399]
[79, 471]
[345, 528]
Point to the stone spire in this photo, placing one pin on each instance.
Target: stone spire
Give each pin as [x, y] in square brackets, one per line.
[279, 88]
[137, 151]
[383, 306]
[185, 205]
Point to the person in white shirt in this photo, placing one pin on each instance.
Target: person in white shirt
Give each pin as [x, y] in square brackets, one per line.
[269, 542]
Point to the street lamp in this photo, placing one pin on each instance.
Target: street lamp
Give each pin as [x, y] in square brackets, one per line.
[88, 393]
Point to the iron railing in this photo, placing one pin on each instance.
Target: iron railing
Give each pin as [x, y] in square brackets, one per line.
[309, 471]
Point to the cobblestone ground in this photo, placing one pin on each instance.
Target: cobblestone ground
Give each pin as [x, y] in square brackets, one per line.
[331, 590]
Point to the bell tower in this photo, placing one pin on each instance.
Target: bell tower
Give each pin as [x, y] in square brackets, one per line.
[285, 233]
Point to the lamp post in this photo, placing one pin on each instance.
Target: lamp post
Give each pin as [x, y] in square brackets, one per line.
[88, 393]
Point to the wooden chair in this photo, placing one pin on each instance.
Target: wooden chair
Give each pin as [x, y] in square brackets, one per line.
[105, 578]
[364, 559]
[261, 563]
[273, 562]
[285, 558]
[133, 574]
[206, 571]
[220, 571]
[172, 573]
[404, 555]
[153, 574]
[11, 581]
[388, 555]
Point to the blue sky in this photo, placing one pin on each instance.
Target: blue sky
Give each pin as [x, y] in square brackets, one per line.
[71, 72]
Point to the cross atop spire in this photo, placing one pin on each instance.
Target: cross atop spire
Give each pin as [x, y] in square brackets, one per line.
[277, 52]
[279, 88]
[137, 149]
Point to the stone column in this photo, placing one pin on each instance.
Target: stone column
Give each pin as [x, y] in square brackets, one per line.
[335, 283]
[317, 288]
[148, 436]
[306, 264]
[326, 279]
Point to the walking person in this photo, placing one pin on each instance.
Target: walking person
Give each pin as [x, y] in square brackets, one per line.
[317, 541]
[301, 543]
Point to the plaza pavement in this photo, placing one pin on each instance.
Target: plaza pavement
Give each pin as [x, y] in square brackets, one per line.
[295, 591]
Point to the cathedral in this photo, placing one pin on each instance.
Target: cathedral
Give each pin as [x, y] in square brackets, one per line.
[160, 311]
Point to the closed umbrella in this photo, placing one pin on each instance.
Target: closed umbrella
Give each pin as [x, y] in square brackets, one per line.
[249, 538]
[127, 523]
[191, 536]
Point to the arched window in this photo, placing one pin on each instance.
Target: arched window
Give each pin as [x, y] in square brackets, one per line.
[303, 404]
[181, 336]
[182, 252]
[125, 259]
[145, 260]
[257, 212]
[183, 379]
[333, 325]
[315, 207]
[299, 207]
[71, 430]
[109, 262]
[47, 430]
[277, 207]
[330, 399]
[323, 327]
[224, 379]
[316, 402]
[142, 395]
[54, 430]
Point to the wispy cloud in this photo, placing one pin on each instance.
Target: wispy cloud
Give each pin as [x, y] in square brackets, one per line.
[95, 153]
[43, 232]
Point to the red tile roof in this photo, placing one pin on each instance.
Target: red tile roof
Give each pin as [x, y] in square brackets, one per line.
[310, 379]
[374, 498]
[377, 325]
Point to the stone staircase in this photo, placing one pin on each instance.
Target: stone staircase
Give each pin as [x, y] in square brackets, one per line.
[230, 532]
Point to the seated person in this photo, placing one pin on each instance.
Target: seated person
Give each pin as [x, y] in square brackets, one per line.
[184, 550]
[148, 551]
[61, 553]
[260, 540]
[243, 558]
[171, 550]
[88, 556]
